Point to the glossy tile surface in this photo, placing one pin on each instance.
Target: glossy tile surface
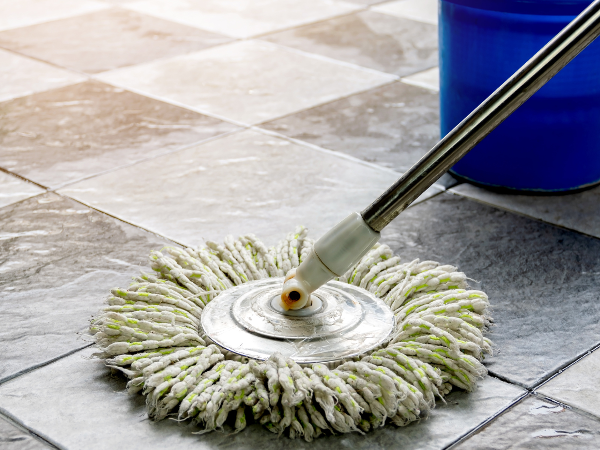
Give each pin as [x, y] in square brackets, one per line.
[378, 41]
[13, 189]
[21, 76]
[578, 385]
[59, 261]
[13, 438]
[243, 18]
[428, 79]
[392, 126]
[535, 424]
[579, 211]
[421, 10]
[63, 135]
[541, 280]
[21, 13]
[246, 182]
[80, 389]
[107, 40]
[248, 82]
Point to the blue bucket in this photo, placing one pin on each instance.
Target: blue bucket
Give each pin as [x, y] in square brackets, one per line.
[550, 144]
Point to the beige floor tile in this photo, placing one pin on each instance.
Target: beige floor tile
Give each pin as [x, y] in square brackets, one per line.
[578, 385]
[248, 182]
[107, 40]
[20, 76]
[243, 18]
[421, 10]
[20, 13]
[429, 79]
[248, 82]
[580, 212]
[13, 189]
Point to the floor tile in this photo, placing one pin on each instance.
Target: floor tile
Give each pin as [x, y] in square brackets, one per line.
[248, 82]
[428, 79]
[59, 260]
[13, 189]
[579, 211]
[247, 182]
[542, 280]
[63, 135]
[118, 38]
[578, 385]
[12, 438]
[89, 406]
[20, 76]
[243, 18]
[22, 13]
[421, 10]
[392, 126]
[378, 41]
[536, 424]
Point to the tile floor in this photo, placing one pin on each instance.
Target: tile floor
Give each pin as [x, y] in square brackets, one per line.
[128, 124]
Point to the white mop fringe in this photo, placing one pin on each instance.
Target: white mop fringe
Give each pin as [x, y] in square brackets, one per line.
[151, 332]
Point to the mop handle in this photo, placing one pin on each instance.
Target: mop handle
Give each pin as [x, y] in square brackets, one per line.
[486, 117]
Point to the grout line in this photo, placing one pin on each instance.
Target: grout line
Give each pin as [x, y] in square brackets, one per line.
[487, 421]
[327, 102]
[171, 102]
[150, 158]
[40, 365]
[22, 178]
[520, 213]
[21, 426]
[358, 9]
[390, 76]
[325, 150]
[566, 366]
[49, 63]
[120, 219]
[566, 406]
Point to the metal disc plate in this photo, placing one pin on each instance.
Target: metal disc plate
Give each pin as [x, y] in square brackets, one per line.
[343, 321]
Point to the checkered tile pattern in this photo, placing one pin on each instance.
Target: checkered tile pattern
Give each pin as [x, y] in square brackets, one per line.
[126, 125]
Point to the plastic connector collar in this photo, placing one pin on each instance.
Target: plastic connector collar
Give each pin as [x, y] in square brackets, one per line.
[333, 254]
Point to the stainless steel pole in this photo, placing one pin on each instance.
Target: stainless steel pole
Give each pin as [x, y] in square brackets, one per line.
[492, 112]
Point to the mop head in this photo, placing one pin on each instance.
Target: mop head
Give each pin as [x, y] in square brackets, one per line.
[151, 332]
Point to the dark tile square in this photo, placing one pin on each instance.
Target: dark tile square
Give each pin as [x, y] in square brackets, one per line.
[58, 261]
[543, 281]
[392, 126]
[66, 134]
[377, 41]
[106, 40]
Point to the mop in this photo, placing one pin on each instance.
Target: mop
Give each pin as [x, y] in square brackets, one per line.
[308, 338]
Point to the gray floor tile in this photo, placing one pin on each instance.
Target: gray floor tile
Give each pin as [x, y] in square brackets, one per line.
[118, 38]
[21, 76]
[428, 79]
[13, 189]
[22, 13]
[59, 260]
[87, 407]
[243, 18]
[536, 424]
[249, 81]
[247, 182]
[542, 280]
[421, 10]
[579, 211]
[392, 126]
[378, 41]
[12, 438]
[65, 134]
[578, 385]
